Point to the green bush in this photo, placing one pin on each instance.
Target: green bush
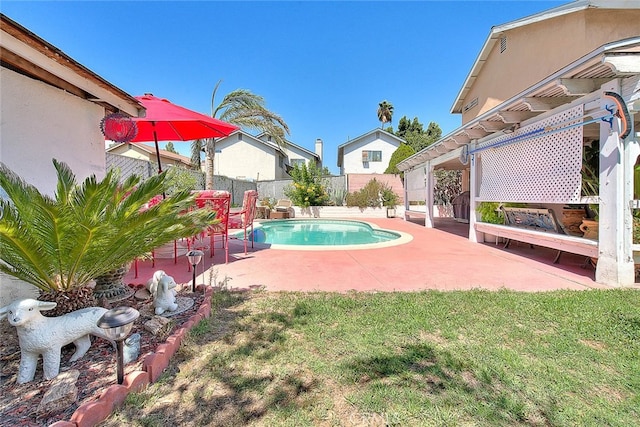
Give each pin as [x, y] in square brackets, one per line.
[489, 213]
[308, 188]
[373, 195]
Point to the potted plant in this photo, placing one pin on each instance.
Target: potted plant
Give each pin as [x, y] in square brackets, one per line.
[490, 213]
[590, 188]
[390, 201]
[60, 244]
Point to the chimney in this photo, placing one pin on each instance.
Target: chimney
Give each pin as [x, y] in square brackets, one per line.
[318, 150]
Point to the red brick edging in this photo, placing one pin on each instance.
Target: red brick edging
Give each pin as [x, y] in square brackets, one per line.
[91, 413]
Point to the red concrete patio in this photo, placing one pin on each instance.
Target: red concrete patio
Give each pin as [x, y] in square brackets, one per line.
[441, 258]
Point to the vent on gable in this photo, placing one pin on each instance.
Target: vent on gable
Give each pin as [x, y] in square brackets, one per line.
[470, 105]
[503, 43]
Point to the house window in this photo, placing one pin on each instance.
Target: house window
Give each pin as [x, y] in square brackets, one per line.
[503, 43]
[298, 162]
[281, 161]
[371, 156]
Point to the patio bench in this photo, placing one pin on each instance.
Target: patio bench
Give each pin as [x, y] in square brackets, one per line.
[539, 227]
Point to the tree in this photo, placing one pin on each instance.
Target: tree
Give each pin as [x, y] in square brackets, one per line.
[59, 244]
[402, 152]
[247, 110]
[170, 148]
[308, 188]
[414, 134]
[385, 113]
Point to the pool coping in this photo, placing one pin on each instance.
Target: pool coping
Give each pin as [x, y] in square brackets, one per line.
[403, 239]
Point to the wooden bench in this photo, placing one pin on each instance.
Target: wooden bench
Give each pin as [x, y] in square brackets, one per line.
[538, 227]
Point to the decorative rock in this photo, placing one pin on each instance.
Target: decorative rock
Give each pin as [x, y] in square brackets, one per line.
[156, 324]
[62, 393]
[142, 294]
[131, 348]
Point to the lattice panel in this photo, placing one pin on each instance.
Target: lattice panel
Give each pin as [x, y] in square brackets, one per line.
[541, 168]
[415, 183]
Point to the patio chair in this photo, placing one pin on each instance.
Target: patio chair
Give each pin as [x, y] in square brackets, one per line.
[220, 202]
[243, 219]
[282, 209]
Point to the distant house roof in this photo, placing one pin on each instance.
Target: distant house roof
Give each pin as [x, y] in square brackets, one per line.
[289, 143]
[152, 151]
[496, 32]
[54, 67]
[351, 141]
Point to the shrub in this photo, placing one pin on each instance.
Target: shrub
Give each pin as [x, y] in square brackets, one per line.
[308, 188]
[373, 195]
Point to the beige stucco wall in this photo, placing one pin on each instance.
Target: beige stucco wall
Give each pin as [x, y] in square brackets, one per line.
[539, 49]
[247, 158]
[39, 123]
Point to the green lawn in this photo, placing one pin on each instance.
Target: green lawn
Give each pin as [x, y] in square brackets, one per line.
[474, 358]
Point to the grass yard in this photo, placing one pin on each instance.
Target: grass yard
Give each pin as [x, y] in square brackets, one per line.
[432, 358]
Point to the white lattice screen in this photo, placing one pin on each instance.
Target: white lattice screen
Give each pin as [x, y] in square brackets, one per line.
[415, 183]
[540, 169]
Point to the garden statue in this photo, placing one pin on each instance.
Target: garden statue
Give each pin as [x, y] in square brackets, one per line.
[162, 287]
[39, 335]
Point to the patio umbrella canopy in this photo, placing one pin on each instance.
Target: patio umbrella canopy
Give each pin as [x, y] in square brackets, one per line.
[165, 121]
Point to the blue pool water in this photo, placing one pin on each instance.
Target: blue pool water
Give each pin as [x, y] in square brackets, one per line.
[320, 232]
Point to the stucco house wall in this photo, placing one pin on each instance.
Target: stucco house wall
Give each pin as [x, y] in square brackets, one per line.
[350, 153]
[39, 123]
[242, 155]
[51, 108]
[538, 49]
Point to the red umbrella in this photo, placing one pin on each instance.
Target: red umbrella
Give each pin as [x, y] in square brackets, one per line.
[165, 121]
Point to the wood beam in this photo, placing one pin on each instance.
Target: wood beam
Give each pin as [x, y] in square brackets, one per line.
[492, 126]
[516, 116]
[462, 138]
[476, 133]
[623, 63]
[580, 86]
[20, 65]
[451, 143]
[546, 104]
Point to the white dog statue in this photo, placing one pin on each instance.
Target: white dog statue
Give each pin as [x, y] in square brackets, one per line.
[162, 287]
[39, 335]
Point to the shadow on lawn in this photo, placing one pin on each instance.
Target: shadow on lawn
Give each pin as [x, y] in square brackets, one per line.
[229, 388]
[438, 379]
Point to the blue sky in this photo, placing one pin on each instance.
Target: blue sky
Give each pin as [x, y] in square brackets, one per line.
[323, 66]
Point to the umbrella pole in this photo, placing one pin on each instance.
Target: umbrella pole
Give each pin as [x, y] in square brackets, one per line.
[155, 138]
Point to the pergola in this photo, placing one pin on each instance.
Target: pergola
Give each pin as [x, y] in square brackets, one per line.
[528, 149]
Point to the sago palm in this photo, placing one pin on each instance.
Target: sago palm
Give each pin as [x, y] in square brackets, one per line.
[60, 243]
[242, 108]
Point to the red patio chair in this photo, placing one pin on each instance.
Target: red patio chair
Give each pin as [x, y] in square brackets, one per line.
[220, 202]
[243, 219]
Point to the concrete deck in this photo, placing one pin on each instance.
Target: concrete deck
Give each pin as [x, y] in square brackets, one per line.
[440, 258]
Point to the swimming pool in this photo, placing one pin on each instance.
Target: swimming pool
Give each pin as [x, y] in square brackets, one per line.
[327, 234]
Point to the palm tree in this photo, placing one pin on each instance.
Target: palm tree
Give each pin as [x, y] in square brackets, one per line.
[59, 244]
[385, 113]
[247, 110]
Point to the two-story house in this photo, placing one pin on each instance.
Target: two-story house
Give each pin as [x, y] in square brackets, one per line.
[257, 158]
[367, 154]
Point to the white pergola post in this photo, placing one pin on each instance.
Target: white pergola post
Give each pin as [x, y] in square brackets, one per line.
[615, 259]
[474, 236]
[428, 219]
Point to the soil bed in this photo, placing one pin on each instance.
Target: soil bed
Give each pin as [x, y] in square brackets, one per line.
[19, 402]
